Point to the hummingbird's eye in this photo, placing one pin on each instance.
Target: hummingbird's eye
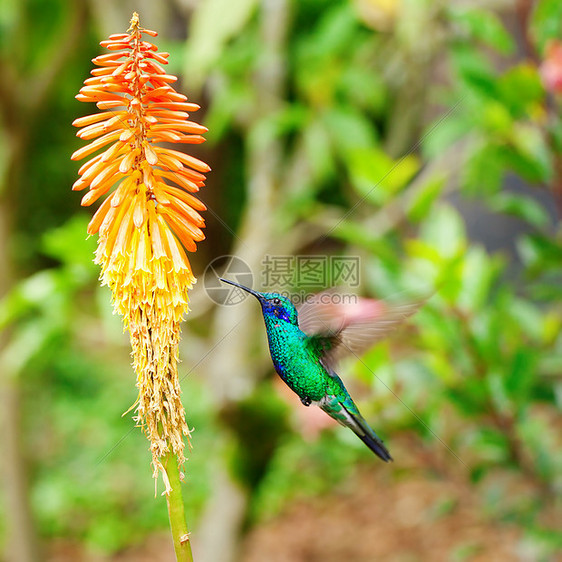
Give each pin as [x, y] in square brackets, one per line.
[276, 301]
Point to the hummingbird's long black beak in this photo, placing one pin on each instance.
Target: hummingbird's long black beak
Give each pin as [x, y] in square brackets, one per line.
[244, 288]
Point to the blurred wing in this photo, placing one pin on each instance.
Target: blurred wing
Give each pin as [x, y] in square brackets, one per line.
[337, 329]
[321, 311]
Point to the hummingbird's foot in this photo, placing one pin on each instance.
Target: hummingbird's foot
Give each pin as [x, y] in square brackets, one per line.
[306, 401]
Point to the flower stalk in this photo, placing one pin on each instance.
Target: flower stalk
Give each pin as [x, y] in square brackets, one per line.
[149, 217]
[178, 525]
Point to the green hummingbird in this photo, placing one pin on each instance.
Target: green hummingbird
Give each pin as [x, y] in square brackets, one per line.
[305, 346]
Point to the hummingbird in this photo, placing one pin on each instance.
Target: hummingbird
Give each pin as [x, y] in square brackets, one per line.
[306, 344]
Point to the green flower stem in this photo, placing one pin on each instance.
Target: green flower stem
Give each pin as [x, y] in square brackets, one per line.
[176, 512]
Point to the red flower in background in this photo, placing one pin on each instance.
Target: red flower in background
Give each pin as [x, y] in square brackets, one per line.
[551, 68]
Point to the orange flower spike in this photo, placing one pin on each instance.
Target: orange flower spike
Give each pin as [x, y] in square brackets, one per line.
[144, 221]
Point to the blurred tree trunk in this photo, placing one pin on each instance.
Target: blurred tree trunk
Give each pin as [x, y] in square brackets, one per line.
[22, 537]
[22, 544]
[231, 373]
[417, 44]
[22, 99]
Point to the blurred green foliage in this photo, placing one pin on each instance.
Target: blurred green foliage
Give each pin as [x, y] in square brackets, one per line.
[389, 128]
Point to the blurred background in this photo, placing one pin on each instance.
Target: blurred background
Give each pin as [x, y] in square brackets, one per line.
[421, 138]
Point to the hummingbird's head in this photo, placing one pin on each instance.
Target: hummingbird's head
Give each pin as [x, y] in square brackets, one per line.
[273, 305]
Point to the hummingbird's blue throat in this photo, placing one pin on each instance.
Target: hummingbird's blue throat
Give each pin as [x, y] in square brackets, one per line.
[277, 312]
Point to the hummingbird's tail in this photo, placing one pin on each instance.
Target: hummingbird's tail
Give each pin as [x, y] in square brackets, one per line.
[341, 407]
[365, 432]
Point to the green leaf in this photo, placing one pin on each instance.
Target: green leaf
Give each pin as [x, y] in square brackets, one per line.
[70, 243]
[533, 153]
[348, 129]
[512, 158]
[443, 132]
[318, 150]
[521, 206]
[545, 543]
[521, 90]
[27, 342]
[425, 197]
[528, 318]
[490, 444]
[551, 327]
[546, 22]
[228, 103]
[324, 54]
[469, 397]
[357, 234]
[425, 262]
[483, 172]
[374, 361]
[498, 393]
[475, 71]
[27, 296]
[364, 88]
[213, 24]
[423, 250]
[444, 231]
[520, 375]
[334, 31]
[485, 26]
[479, 273]
[539, 437]
[540, 252]
[376, 176]
[496, 120]
[441, 366]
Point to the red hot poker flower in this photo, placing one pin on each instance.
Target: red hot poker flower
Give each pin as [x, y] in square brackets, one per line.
[148, 218]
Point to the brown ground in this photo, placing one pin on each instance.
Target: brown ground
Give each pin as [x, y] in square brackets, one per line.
[373, 518]
[399, 522]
